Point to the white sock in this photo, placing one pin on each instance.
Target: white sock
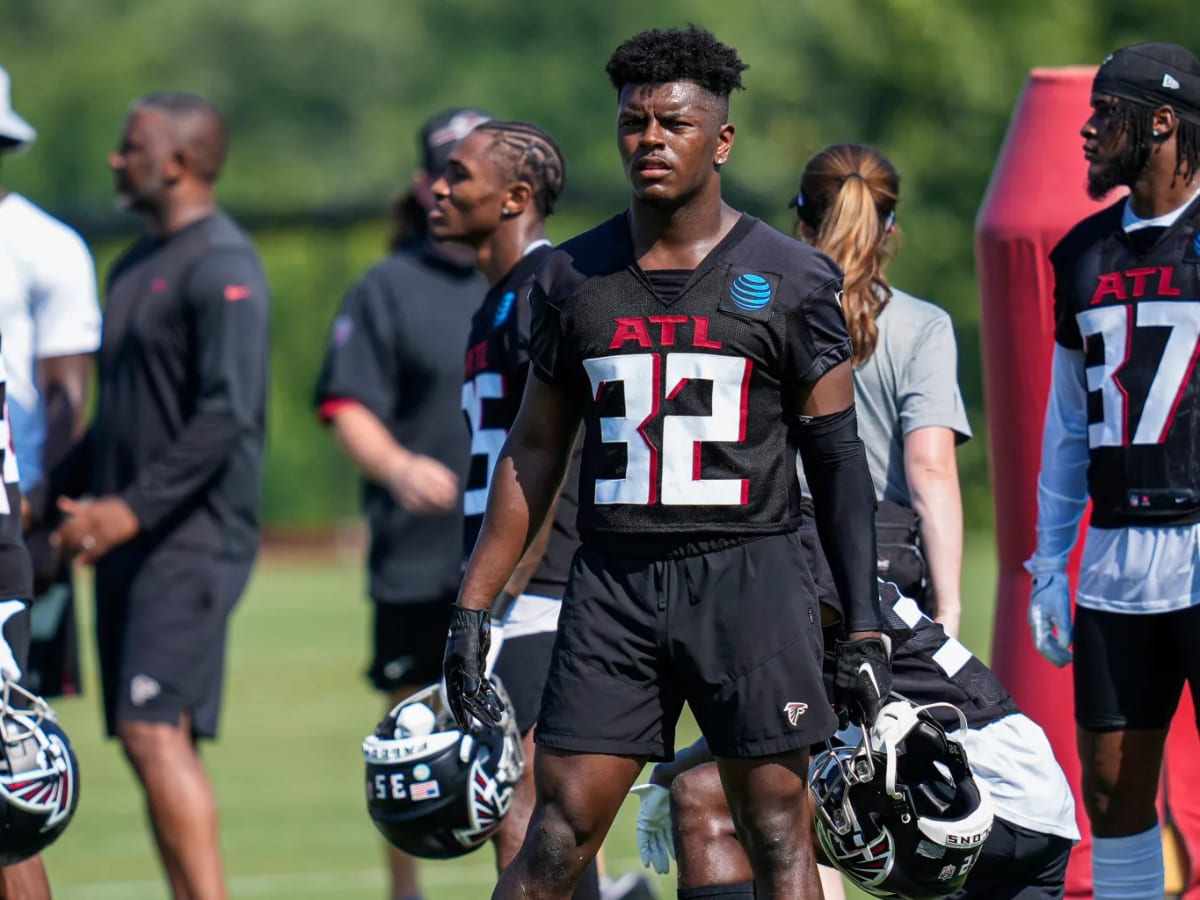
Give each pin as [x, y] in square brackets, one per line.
[1128, 868]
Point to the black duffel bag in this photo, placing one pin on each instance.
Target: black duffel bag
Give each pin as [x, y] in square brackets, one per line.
[901, 561]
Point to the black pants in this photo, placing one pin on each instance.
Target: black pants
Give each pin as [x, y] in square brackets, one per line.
[1018, 864]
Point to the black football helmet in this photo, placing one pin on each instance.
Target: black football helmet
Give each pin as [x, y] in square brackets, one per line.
[39, 775]
[900, 814]
[432, 791]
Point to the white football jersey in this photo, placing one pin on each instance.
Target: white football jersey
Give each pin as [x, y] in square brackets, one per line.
[48, 308]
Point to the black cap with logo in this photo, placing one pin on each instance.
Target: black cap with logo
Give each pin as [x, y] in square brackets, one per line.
[1153, 74]
[443, 132]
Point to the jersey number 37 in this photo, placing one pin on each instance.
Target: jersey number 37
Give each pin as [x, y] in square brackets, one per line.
[1116, 325]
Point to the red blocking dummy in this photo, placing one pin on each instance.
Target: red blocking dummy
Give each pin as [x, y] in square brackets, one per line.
[1036, 194]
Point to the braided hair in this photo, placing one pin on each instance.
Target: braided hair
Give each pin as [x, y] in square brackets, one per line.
[533, 156]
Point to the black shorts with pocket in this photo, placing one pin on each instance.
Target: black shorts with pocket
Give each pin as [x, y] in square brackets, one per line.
[160, 627]
[733, 632]
[407, 643]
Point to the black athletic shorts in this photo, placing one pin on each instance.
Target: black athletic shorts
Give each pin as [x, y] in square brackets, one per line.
[1129, 669]
[408, 640]
[160, 629]
[522, 666]
[735, 633]
[1016, 863]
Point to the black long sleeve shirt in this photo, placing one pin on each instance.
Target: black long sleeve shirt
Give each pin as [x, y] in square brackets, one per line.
[181, 417]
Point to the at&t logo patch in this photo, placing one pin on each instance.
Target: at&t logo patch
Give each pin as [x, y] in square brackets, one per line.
[749, 294]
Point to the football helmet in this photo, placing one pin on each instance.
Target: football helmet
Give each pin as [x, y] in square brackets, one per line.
[39, 775]
[432, 791]
[900, 813]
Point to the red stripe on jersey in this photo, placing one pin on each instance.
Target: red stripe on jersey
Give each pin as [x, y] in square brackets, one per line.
[655, 391]
[329, 409]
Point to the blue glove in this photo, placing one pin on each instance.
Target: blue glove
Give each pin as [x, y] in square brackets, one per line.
[654, 827]
[1050, 617]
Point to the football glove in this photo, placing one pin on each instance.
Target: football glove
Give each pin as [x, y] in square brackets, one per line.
[1050, 617]
[468, 690]
[862, 679]
[654, 827]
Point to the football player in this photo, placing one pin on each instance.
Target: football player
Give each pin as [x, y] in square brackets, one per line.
[699, 348]
[683, 810]
[494, 195]
[1123, 428]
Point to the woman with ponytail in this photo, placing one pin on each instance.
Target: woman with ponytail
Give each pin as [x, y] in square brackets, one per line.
[910, 409]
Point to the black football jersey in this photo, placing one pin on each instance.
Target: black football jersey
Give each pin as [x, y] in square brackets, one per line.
[687, 404]
[1131, 303]
[497, 366]
[929, 666]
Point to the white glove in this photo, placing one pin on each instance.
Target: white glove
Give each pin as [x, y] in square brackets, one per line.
[654, 827]
[8, 663]
[1050, 617]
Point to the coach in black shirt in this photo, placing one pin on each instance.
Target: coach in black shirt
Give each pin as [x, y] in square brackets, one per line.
[173, 461]
[391, 390]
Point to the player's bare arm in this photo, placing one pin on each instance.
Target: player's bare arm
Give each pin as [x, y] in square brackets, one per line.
[527, 478]
[526, 481]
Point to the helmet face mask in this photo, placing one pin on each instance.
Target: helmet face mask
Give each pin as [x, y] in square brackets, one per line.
[900, 813]
[432, 791]
[39, 775]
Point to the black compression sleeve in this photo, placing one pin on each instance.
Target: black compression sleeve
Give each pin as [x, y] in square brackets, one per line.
[835, 463]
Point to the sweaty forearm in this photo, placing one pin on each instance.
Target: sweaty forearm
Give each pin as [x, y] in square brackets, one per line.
[532, 558]
[844, 506]
[524, 486]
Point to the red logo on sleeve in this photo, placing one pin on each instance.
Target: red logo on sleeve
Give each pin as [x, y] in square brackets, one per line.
[236, 292]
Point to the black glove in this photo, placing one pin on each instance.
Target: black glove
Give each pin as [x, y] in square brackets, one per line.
[468, 690]
[862, 680]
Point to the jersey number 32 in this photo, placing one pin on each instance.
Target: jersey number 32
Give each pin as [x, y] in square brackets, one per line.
[645, 387]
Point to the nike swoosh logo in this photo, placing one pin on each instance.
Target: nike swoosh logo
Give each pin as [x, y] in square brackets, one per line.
[865, 668]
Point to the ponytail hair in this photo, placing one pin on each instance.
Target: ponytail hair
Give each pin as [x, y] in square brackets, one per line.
[848, 196]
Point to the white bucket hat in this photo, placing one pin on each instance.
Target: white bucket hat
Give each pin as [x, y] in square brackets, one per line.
[13, 129]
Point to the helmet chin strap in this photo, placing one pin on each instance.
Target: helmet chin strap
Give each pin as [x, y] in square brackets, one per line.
[895, 721]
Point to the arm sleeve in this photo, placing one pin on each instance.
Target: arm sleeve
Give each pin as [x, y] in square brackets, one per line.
[362, 362]
[816, 339]
[928, 392]
[66, 314]
[1062, 482]
[228, 301]
[844, 507]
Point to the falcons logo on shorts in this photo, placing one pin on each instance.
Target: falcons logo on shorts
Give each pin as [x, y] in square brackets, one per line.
[794, 711]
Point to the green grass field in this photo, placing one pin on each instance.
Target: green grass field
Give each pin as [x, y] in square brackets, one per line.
[288, 771]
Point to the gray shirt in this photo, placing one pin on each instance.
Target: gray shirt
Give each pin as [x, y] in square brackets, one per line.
[910, 382]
